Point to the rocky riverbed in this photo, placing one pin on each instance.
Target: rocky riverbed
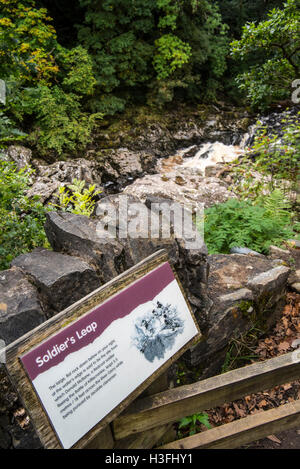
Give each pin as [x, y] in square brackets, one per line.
[133, 148]
[180, 155]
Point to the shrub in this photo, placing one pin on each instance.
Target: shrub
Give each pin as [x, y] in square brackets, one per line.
[240, 223]
[21, 218]
[8, 131]
[60, 123]
[76, 198]
[153, 45]
[27, 42]
[276, 159]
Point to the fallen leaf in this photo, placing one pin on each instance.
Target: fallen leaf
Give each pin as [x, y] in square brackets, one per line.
[287, 386]
[240, 412]
[283, 346]
[274, 438]
[262, 403]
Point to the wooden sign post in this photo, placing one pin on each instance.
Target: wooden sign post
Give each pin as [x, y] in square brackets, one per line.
[80, 369]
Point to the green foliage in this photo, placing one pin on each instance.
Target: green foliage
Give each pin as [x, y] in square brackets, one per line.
[276, 206]
[276, 160]
[61, 125]
[240, 223]
[27, 41]
[47, 85]
[279, 155]
[76, 198]
[21, 219]
[8, 131]
[155, 48]
[236, 13]
[276, 43]
[172, 53]
[76, 70]
[116, 33]
[191, 423]
[160, 45]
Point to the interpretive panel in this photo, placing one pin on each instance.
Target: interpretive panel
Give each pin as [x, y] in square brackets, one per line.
[89, 367]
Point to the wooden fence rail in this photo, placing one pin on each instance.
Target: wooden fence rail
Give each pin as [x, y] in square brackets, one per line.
[233, 435]
[169, 406]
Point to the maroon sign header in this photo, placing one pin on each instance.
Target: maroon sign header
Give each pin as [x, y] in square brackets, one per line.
[90, 326]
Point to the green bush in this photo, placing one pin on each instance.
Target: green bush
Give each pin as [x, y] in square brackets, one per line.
[21, 218]
[76, 198]
[60, 124]
[272, 162]
[47, 84]
[8, 131]
[240, 223]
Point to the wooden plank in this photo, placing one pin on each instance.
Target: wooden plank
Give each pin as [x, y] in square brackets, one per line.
[143, 440]
[104, 440]
[169, 436]
[243, 431]
[171, 405]
[149, 438]
[54, 325]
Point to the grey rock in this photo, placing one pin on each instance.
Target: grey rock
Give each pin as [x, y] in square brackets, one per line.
[278, 253]
[54, 274]
[278, 262]
[189, 152]
[20, 308]
[187, 187]
[270, 280]
[178, 245]
[190, 264]
[20, 155]
[48, 178]
[128, 162]
[238, 295]
[244, 289]
[80, 236]
[131, 214]
[250, 252]
[77, 235]
[296, 287]
[180, 129]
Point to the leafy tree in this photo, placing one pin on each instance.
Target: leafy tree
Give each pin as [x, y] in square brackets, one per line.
[236, 13]
[157, 45]
[47, 84]
[60, 123]
[27, 41]
[272, 162]
[276, 43]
